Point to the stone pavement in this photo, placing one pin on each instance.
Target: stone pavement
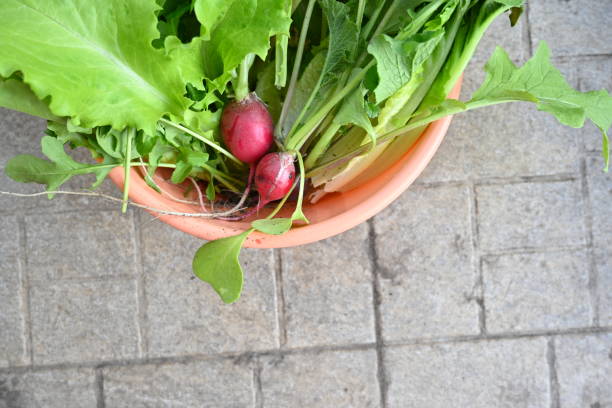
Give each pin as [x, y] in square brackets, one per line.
[487, 284]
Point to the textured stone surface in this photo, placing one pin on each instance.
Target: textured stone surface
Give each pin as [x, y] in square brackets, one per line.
[328, 291]
[537, 291]
[512, 39]
[93, 283]
[504, 374]
[12, 326]
[84, 321]
[576, 27]
[509, 140]
[326, 379]
[112, 252]
[185, 316]
[20, 134]
[584, 370]
[48, 389]
[426, 283]
[206, 384]
[530, 215]
[600, 191]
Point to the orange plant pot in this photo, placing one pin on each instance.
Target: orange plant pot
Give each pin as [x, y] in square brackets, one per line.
[332, 215]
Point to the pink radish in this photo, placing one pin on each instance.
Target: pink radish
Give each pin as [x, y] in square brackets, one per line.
[274, 176]
[247, 128]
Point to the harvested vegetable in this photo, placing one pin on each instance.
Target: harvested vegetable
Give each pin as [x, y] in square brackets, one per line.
[341, 88]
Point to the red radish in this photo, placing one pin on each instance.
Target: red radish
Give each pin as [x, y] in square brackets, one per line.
[274, 176]
[247, 128]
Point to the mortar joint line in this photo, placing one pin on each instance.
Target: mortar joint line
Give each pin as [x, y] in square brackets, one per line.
[281, 311]
[528, 29]
[141, 296]
[477, 260]
[588, 227]
[258, 397]
[99, 388]
[184, 359]
[551, 358]
[26, 301]
[378, 326]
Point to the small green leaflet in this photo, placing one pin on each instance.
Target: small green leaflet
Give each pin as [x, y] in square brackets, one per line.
[216, 262]
[343, 40]
[31, 169]
[540, 82]
[274, 226]
[392, 65]
[353, 111]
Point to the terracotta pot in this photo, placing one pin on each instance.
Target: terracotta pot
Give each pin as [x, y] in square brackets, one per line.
[332, 215]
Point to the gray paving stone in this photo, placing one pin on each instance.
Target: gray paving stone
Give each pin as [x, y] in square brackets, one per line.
[600, 191]
[94, 244]
[501, 34]
[20, 134]
[424, 246]
[12, 326]
[594, 74]
[72, 388]
[530, 215]
[206, 384]
[577, 27]
[537, 291]
[326, 379]
[84, 321]
[509, 140]
[185, 316]
[584, 371]
[328, 291]
[501, 374]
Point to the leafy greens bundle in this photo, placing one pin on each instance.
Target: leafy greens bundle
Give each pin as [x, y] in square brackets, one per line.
[350, 85]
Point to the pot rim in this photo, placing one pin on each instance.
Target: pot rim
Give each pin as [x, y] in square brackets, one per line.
[374, 196]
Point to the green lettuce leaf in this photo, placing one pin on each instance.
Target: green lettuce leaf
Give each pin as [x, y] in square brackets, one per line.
[93, 58]
[236, 29]
[16, 95]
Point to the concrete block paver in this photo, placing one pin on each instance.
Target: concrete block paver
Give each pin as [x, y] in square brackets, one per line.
[577, 27]
[328, 291]
[424, 247]
[600, 191]
[20, 134]
[530, 215]
[503, 374]
[509, 140]
[73, 388]
[537, 291]
[101, 245]
[84, 321]
[205, 384]
[12, 325]
[321, 380]
[584, 370]
[184, 314]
